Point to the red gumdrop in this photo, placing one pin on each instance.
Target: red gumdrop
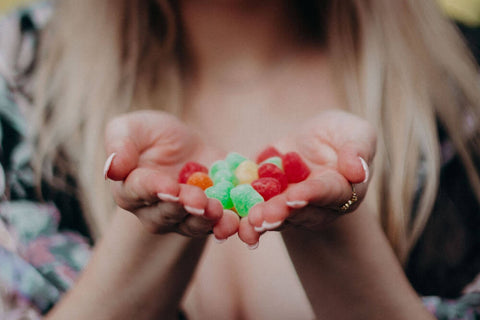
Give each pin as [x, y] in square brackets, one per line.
[295, 168]
[190, 168]
[269, 170]
[268, 153]
[267, 187]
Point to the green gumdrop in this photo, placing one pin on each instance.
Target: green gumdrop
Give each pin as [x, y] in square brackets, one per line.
[224, 175]
[275, 160]
[244, 197]
[218, 166]
[233, 159]
[221, 192]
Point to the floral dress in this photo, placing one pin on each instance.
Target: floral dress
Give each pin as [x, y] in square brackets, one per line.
[44, 244]
[40, 257]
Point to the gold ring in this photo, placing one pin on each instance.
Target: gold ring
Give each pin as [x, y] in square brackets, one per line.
[346, 206]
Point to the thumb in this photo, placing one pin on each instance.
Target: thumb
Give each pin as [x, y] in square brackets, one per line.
[355, 158]
[123, 151]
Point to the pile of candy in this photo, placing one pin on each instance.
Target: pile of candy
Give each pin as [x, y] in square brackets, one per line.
[239, 183]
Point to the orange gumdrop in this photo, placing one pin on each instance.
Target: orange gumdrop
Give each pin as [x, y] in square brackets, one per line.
[201, 180]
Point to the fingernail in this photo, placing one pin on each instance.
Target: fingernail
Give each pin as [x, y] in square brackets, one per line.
[108, 164]
[271, 225]
[365, 169]
[167, 197]
[259, 229]
[253, 246]
[297, 204]
[196, 211]
[219, 241]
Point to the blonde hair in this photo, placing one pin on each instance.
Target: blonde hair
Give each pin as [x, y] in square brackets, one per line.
[400, 64]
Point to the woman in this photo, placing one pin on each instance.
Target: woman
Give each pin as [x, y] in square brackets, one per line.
[224, 70]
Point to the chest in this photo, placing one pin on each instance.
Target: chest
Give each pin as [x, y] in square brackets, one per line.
[233, 282]
[246, 117]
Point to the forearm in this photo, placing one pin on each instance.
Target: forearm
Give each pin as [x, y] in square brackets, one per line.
[132, 275]
[349, 271]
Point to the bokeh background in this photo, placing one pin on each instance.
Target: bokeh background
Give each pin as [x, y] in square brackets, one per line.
[466, 11]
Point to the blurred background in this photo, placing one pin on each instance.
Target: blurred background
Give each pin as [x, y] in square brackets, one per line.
[466, 13]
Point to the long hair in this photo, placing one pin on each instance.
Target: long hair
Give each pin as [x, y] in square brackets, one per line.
[401, 65]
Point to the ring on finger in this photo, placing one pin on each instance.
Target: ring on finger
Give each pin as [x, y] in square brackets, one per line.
[347, 205]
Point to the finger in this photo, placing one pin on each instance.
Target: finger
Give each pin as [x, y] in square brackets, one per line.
[122, 149]
[213, 210]
[193, 199]
[144, 187]
[247, 234]
[329, 189]
[227, 226]
[195, 226]
[274, 212]
[354, 157]
[255, 217]
[162, 217]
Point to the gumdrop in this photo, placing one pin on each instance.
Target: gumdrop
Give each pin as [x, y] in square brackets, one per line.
[218, 166]
[275, 160]
[295, 168]
[244, 197]
[224, 175]
[269, 170]
[188, 169]
[221, 192]
[267, 187]
[269, 152]
[246, 172]
[200, 179]
[233, 159]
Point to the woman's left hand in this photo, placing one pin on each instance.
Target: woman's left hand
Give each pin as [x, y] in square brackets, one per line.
[338, 147]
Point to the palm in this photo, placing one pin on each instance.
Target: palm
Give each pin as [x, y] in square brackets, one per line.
[331, 145]
[149, 148]
[167, 143]
[325, 141]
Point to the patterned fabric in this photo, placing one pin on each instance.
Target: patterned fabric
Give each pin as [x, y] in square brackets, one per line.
[39, 257]
[38, 260]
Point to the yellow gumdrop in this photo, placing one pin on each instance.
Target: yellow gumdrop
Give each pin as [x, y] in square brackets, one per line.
[246, 172]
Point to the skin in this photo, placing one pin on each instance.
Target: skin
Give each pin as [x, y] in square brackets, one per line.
[320, 265]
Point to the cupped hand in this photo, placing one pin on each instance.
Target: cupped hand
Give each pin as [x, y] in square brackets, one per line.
[338, 147]
[147, 150]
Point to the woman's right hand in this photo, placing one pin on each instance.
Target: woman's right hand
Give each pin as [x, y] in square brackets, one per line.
[147, 150]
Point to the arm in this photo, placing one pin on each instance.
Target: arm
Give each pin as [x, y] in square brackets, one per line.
[133, 274]
[350, 272]
[344, 261]
[142, 266]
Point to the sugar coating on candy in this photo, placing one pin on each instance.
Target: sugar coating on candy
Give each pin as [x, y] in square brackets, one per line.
[267, 187]
[246, 172]
[244, 197]
[275, 160]
[224, 175]
[221, 192]
[269, 152]
[233, 159]
[295, 168]
[217, 166]
[188, 169]
[269, 170]
[200, 179]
